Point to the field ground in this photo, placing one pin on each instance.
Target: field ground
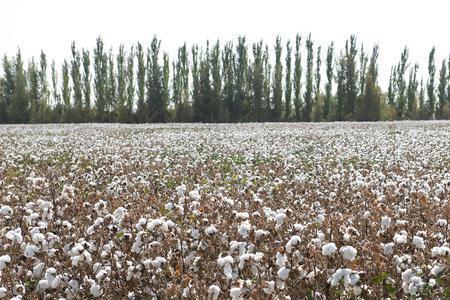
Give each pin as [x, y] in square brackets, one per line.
[246, 211]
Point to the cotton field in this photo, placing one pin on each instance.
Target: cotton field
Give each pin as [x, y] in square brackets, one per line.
[250, 211]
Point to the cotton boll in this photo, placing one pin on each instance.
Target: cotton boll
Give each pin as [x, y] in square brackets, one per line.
[400, 238]
[235, 293]
[6, 210]
[213, 292]
[30, 250]
[3, 292]
[418, 242]
[329, 249]
[385, 222]
[281, 260]
[244, 229]
[283, 273]
[194, 195]
[96, 290]
[4, 259]
[294, 240]
[388, 248]
[348, 252]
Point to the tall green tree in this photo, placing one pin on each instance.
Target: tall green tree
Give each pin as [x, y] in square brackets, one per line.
[157, 109]
[241, 77]
[33, 91]
[122, 85]
[257, 81]
[329, 84]
[411, 93]
[216, 101]
[66, 92]
[351, 78]
[100, 80]
[141, 113]
[309, 80]
[400, 83]
[20, 111]
[75, 73]
[430, 84]
[112, 106]
[297, 84]
[228, 78]
[372, 96]
[130, 85]
[277, 85]
[317, 96]
[56, 97]
[86, 61]
[8, 88]
[288, 83]
[442, 91]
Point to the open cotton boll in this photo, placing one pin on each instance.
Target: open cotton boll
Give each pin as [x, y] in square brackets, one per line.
[96, 290]
[443, 250]
[400, 238]
[385, 222]
[6, 210]
[226, 262]
[293, 241]
[210, 230]
[388, 248]
[418, 242]
[349, 277]
[15, 235]
[244, 229]
[329, 249]
[214, 291]
[194, 195]
[235, 293]
[348, 252]
[181, 190]
[283, 273]
[280, 260]
[4, 259]
[3, 292]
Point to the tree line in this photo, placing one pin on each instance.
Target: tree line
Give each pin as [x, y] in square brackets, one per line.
[233, 82]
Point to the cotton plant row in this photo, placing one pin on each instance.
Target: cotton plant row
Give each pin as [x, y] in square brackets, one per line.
[251, 211]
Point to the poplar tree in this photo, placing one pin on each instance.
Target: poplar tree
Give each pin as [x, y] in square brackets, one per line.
[100, 79]
[430, 85]
[44, 93]
[317, 99]
[412, 93]
[141, 113]
[329, 83]
[86, 60]
[241, 76]
[309, 80]
[111, 89]
[57, 115]
[76, 83]
[165, 87]
[267, 84]
[297, 79]
[277, 87]
[257, 81]
[288, 83]
[196, 105]
[66, 91]
[400, 83]
[121, 85]
[350, 81]
[19, 103]
[8, 88]
[33, 91]
[216, 101]
[228, 81]
[130, 85]
[442, 90]
[372, 97]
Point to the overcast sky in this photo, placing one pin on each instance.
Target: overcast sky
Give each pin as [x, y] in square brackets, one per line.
[52, 24]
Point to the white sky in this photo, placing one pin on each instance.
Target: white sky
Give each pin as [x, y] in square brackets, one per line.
[52, 24]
